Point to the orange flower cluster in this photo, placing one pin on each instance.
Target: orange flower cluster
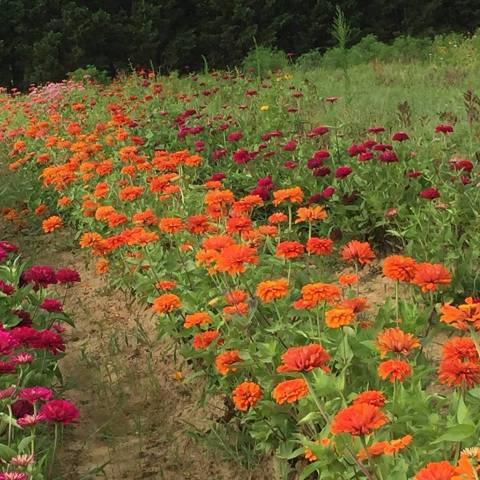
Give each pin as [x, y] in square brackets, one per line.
[385, 448]
[463, 316]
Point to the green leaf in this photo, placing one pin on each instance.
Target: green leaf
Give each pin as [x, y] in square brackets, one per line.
[457, 433]
[6, 453]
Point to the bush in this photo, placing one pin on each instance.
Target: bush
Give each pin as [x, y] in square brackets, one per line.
[264, 60]
[89, 73]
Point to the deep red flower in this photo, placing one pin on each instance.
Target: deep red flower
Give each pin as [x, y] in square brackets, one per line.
[429, 193]
[61, 411]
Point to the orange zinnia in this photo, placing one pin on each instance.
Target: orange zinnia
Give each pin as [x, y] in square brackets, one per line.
[52, 223]
[436, 471]
[398, 267]
[319, 292]
[232, 259]
[429, 276]
[309, 455]
[359, 419]
[239, 224]
[246, 395]
[348, 279]
[304, 359]
[457, 373]
[293, 195]
[396, 341]
[198, 318]
[225, 361]
[289, 249]
[290, 391]
[394, 370]
[372, 397]
[236, 296]
[217, 242]
[272, 290]
[357, 304]
[460, 317]
[310, 214]
[170, 224]
[339, 317]
[166, 303]
[319, 246]
[166, 284]
[358, 252]
[204, 339]
[278, 217]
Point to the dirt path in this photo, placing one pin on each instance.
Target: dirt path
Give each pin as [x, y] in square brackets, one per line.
[134, 412]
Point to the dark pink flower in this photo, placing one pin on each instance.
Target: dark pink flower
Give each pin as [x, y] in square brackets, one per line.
[314, 163]
[21, 407]
[414, 174]
[266, 182]
[321, 154]
[7, 393]
[35, 394]
[7, 343]
[322, 171]
[354, 149]
[234, 136]
[388, 156]
[444, 128]
[290, 146]
[327, 192]
[51, 305]
[6, 288]
[67, 275]
[217, 177]
[400, 136]
[290, 165]
[365, 156]
[429, 193]
[317, 131]
[461, 164]
[376, 129]
[381, 147]
[8, 247]
[218, 154]
[21, 358]
[61, 411]
[269, 135]
[29, 420]
[40, 276]
[242, 156]
[369, 143]
[26, 319]
[342, 172]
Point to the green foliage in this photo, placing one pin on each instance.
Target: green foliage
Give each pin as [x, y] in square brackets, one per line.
[264, 60]
[89, 73]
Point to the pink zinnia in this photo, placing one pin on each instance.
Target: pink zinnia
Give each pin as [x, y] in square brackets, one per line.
[67, 275]
[400, 136]
[51, 305]
[429, 193]
[61, 411]
[342, 172]
[35, 394]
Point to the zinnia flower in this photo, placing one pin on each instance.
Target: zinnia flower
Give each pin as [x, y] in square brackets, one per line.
[272, 290]
[455, 372]
[61, 411]
[290, 391]
[359, 252]
[310, 214]
[462, 316]
[204, 339]
[233, 258]
[246, 395]
[52, 223]
[166, 303]
[225, 361]
[304, 359]
[289, 249]
[398, 267]
[199, 318]
[67, 276]
[292, 195]
[319, 246]
[396, 341]
[394, 370]
[35, 394]
[372, 397]
[339, 317]
[428, 276]
[436, 471]
[359, 419]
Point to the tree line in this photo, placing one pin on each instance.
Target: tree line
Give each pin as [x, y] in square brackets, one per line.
[43, 40]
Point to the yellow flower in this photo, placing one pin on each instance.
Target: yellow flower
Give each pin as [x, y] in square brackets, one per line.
[264, 108]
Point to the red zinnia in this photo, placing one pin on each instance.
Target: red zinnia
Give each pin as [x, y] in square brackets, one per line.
[304, 359]
[359, 419]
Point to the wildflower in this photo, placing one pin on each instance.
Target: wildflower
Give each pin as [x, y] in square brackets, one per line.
[398, 267]
[67, 276]
[290, 391]
[456, 373]
[339, 317]
[199, 318]
[233, 258]
[272, 290]
[462, 316]
[35, 394]
[61, 411]
[396, 341]
[304, 359]
[319, 292]
[204, 339]
[394, 370]
[170, 224]
[428, 276]
[166, 303]
[436, 471]
[358, 252]
[372, 397]
[52, 223]
[310, 214]
[292, 195]
[225, 362]
[289, 249]
[429, 193]
[246, 395]
[359, 419]
[348, 279]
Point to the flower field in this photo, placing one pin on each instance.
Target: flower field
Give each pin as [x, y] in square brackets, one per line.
[306, 242]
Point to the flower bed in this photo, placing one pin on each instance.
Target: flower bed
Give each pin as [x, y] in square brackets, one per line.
[31, 345]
